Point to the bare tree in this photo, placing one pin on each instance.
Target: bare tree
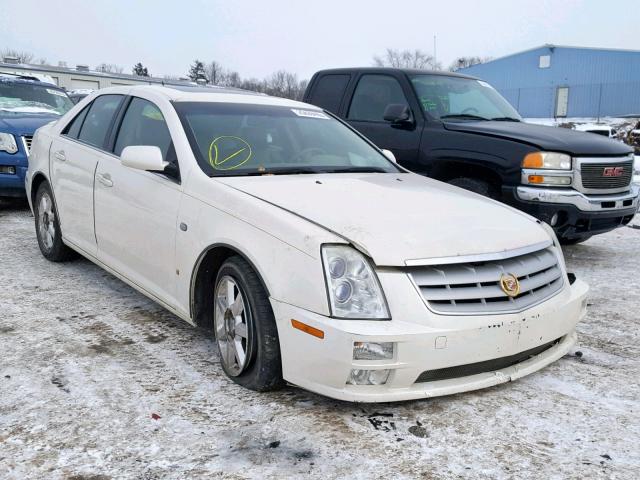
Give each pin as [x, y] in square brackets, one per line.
[406, 59]
[215, 73]
[109, 68]
[21, 55]
[464, 62]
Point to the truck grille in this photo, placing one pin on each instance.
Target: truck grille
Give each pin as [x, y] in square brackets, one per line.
[26, 141]
[474, 288]
[606, 176]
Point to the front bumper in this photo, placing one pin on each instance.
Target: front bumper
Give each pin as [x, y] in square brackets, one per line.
[426, 343]
[579, 215]
[12, 185]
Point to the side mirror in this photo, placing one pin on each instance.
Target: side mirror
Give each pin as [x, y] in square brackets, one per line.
[143, 157]
[389, 154]
[397, 113]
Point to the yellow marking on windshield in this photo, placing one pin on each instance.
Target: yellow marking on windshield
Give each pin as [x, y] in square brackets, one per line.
[240, 156]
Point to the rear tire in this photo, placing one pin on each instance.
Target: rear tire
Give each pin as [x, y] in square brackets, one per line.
[245, 328]
[48, 227]
[476, 185]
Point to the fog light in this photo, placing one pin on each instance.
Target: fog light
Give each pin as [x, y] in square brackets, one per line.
[554, 220]
[368, 377]
[372, 351]
[8, 169]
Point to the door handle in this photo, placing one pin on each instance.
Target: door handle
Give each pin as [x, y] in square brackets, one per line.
[105, 179]
[60, 155]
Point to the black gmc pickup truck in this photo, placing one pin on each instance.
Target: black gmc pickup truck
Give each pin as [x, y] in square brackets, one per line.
[460, 130]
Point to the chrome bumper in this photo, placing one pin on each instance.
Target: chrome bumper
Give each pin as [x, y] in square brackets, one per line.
[586, 203]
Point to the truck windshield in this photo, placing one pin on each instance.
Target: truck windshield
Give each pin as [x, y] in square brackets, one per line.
[455, 98]
[26, 97]
[241, 139]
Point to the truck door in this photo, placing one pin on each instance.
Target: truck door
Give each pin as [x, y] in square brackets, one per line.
[365, 113]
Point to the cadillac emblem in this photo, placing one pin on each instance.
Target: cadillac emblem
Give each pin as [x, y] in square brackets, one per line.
[509, 284]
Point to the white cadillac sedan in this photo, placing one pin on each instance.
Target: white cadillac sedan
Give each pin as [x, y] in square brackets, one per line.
[314, 258]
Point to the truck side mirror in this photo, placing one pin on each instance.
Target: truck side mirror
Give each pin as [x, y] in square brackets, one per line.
[397, 113]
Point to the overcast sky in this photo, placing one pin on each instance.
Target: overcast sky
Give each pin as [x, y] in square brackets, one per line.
[257, 37]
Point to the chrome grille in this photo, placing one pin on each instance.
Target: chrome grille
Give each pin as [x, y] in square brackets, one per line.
[474, 288]
[26, 141]
[593, 175]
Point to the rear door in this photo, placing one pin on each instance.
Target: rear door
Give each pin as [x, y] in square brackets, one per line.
[373, 93]
[74, 158]
[136, 211]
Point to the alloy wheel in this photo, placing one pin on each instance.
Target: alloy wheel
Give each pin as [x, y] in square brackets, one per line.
[232, 321]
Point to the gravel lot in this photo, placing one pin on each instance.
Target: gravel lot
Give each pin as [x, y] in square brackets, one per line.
[97, 382]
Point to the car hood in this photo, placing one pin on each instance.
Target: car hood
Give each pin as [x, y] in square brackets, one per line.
[24, 123]
[545, 138]
[397, 217]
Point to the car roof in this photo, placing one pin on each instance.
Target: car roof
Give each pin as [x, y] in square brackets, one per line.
[407, 71]
[26, 80]
[208, 94]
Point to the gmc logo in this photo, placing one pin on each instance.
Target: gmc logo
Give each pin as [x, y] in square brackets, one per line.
[613, 172]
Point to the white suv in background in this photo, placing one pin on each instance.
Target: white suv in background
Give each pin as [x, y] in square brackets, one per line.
[314, 257]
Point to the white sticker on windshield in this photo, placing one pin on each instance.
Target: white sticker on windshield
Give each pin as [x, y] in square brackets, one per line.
[309, 113]
[485, 84]
[56, 92]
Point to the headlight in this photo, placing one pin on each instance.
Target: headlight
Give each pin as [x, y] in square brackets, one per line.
[353, 286]
[556, 243]
[636, 170]
[8, 143]
[550, 160]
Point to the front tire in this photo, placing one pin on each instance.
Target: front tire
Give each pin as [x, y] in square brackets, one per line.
[245, 328]
[48, 227]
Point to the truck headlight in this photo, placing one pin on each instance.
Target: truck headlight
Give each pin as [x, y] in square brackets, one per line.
[550, 160]
[352, 284]
[8, 143]
[636, 170]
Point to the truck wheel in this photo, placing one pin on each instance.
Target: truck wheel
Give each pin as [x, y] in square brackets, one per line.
[574, 241]
[245, 328]
[48, 227]
[476, 185]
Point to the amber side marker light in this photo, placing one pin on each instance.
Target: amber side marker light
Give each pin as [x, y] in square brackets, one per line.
[307, 328]
[536, 179]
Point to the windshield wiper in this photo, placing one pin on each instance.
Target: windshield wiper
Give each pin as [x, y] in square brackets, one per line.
[305, 170]
[506, 119]
[463, 115]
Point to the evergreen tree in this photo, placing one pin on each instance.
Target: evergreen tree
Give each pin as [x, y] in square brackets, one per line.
[197, 72]
[139, 70]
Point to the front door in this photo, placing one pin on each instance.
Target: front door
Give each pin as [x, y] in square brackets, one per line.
[366, 114]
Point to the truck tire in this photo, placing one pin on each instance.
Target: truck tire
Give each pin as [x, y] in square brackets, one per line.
[245, 328]
[476, 185]
[48, 230]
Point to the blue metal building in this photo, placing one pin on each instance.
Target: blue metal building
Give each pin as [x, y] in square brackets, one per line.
[556, 81]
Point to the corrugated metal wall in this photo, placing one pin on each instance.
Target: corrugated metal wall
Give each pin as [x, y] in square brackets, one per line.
[601, 82]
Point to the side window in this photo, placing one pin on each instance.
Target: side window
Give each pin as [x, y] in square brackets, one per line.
[73, 129]
[373, 94]
[143, 124]
[328, 92]
[98, 119]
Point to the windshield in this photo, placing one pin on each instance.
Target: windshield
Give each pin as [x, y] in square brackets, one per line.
[32, 98]
[240, 139]
[455, 98]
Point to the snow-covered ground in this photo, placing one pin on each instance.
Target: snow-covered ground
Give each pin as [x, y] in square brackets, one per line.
[98, 382]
